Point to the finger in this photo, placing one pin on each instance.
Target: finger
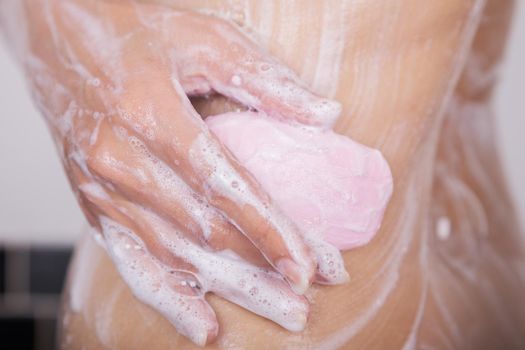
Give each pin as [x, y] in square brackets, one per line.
[262, 292]
[330, 264]
[269, 87]
[224, 273]
[256, 289]
[170, 294]
[139, 176]
[234, 66]
[100, 201]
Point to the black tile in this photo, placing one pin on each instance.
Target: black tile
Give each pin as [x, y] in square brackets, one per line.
[48, 269]
[45, 334]
[17, 332]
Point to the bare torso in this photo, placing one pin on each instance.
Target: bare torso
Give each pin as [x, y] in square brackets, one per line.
[446, 268]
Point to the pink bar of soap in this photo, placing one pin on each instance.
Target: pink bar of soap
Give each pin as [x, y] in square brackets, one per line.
[325, 182]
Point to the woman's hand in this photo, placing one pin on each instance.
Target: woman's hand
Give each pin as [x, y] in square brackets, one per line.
[179, 215]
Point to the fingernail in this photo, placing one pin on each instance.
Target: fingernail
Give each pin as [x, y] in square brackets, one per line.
[298, 321]
[339, 276]
[204, 335]
[343, 278]
[199, 337]
[297, 277]
[331, 266]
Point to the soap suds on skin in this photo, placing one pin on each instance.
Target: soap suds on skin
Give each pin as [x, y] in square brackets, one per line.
[261, 291]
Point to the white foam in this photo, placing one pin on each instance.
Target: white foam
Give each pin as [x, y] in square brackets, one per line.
[261, 291]
[150, 283]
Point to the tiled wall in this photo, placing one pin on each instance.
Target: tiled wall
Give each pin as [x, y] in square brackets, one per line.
[31, 279]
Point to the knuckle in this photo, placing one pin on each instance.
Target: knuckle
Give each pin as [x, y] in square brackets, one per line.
[99, 159]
